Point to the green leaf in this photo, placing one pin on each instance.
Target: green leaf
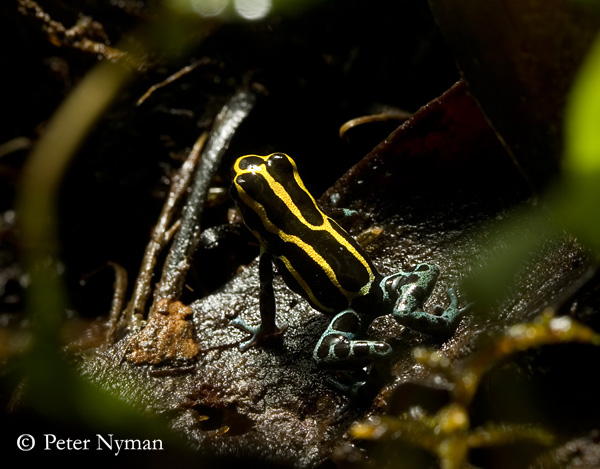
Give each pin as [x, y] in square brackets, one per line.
[576, 205]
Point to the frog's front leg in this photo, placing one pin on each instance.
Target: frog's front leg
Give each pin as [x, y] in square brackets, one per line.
[414, 289]
[267, 329]
[339, 347]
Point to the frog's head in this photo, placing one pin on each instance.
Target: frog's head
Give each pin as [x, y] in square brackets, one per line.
[258, 178]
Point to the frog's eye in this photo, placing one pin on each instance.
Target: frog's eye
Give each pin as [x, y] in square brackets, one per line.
[253, 184]
[280, 164]
[250, 162]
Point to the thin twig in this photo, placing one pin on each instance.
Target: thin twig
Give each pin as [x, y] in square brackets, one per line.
[116, 308]
[167, 81]
[162, 233]
[392, 116]
[186, 239]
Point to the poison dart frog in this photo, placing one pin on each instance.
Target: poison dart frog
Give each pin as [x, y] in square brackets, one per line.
[320, 261]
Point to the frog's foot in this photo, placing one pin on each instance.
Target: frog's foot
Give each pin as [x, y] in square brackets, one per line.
[338, 346]
[452, 314]
[335, 349]
[258, 335]
[442, 323]
[348, 384]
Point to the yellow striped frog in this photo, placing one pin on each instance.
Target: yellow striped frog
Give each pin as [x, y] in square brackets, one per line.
[320, 261]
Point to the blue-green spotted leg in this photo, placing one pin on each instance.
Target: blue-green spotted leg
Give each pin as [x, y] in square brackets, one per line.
[414, 289]
[267, 329]
[338, 346]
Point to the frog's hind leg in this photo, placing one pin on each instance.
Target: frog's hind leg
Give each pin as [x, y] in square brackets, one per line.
[339, 346]
[414, 292]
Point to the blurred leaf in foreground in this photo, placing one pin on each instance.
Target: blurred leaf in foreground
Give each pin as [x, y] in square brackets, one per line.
[577, 203]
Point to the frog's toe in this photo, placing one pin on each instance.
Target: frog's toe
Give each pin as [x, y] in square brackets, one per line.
[240, 324]
[346, 383]
[452, 297]
[451, 315]
[453, 310]
[464, 309]
[351, 390]
[258, 335]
